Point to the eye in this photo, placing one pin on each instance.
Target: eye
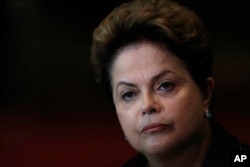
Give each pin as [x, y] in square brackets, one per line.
[127, 96]
[166, 86]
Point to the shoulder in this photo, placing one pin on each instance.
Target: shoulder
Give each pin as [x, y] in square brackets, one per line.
[222, 147]
[224, 138]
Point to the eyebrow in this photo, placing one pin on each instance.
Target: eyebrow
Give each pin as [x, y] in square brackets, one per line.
[162, 73]
[154, 78]
[125, 83]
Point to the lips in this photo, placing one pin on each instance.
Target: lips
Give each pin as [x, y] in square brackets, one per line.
[154, 127]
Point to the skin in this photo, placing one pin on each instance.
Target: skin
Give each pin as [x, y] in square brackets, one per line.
[159, 106]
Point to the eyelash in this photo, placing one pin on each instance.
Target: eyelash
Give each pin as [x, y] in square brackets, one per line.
[128, 96]
[128, 93]
[170, 86]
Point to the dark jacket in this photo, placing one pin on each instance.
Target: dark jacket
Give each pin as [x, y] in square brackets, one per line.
[220, 154]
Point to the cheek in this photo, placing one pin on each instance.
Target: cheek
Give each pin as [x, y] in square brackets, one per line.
[128, 116]
[186, 107]
[190, 113]
[127, 121]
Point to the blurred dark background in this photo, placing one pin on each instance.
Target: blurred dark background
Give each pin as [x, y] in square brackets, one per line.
[53, 113]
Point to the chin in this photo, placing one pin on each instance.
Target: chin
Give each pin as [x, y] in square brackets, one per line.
[159, 146]
[168, 144]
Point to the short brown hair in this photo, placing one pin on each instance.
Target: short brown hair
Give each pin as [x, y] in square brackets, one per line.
[165, 21]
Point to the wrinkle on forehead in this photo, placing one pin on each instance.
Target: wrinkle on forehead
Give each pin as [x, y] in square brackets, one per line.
[134, 61]
[137, 45]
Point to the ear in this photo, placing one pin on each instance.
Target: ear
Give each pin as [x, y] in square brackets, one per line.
[208, 91]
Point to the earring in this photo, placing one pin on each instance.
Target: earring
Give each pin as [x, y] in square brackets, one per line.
[125, 138]
[208, 114]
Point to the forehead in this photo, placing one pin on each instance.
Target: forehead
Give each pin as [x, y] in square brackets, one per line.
[144, 59]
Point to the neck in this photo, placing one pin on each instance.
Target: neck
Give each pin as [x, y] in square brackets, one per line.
[190, 156]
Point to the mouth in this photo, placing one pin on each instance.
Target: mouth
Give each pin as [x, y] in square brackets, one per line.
[155, 127]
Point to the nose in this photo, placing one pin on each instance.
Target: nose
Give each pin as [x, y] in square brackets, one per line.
[150, 104]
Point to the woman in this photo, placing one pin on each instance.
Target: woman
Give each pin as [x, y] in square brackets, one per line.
[153, 59]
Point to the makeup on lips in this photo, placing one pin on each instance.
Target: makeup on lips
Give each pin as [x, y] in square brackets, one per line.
[155, 127]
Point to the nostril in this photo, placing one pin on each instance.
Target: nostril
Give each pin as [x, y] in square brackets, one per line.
[149, 105]
[149, 111]
[153, 110]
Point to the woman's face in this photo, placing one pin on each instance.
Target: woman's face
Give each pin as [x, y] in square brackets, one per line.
[159, 106]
